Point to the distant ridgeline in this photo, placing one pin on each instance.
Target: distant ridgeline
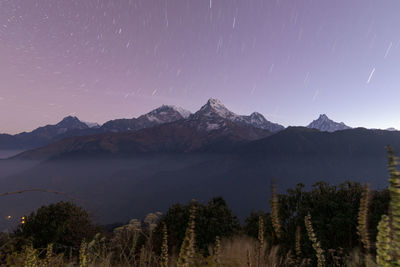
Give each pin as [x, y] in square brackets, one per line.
[212, 116]
[128, 168]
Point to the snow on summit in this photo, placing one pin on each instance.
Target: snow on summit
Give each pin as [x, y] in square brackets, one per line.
[215, 110]
[323, 123]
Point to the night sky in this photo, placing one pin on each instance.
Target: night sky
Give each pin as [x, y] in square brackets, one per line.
[287, 59]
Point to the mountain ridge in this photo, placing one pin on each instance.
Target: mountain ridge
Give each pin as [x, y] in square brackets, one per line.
[212, 116]
[323, 123]
[173, 162]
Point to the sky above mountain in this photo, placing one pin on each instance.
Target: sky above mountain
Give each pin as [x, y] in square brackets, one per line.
[289, 60]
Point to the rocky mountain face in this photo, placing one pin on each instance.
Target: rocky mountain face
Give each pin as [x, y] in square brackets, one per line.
[67, 124]
[163, 114]
[192, 135]
[213, 116]
[176, 163]
[324, 124]
[41, 136]
[259, 121]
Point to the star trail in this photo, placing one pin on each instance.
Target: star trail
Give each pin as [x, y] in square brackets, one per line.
[289, 60]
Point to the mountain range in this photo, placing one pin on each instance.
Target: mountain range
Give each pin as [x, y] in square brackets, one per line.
[213, 113]
[127, 168]
[118, 176]
[212, 116]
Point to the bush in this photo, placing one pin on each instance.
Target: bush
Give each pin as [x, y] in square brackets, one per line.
[334, 211]
[64, 224]
[211, 220]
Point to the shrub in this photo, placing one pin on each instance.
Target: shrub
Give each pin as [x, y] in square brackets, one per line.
[211, 220]
[64, 224]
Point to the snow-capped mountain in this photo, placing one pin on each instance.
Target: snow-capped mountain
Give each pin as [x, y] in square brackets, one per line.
[323, 123]
[215, 109]
[163, 114]
[258, 120]
[67, 124]
[214, 115]
[392, 129]
[92, 124]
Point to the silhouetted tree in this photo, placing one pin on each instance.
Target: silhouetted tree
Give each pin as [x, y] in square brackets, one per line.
[63, 224]
[211, 220]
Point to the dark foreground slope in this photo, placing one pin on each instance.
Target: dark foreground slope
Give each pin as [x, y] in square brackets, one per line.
[116, 185]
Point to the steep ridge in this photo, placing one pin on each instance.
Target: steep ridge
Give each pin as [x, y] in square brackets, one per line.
[212, 116]
[323, 123]
[178, 169]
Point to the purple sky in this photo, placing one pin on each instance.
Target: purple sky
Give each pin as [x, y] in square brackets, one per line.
[287, 59]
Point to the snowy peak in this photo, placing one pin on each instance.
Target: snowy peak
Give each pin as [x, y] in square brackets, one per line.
[214, 112]
[215, 109]
[160, 115]
[71, 122]
[215, 103]
[323, 123]
[256, 117]
[259, 121]
[323, 117]
[212, 116]
[92, 124]
[183, 112]
[165, 113]
[392, 129]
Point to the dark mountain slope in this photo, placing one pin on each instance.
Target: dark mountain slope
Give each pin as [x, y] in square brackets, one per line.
[116, 185]
[163, 114]
[212, 116]
[41, 136]
[178, 137]
[300, 141]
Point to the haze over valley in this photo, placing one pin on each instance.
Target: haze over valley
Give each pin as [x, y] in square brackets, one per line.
[116, 170]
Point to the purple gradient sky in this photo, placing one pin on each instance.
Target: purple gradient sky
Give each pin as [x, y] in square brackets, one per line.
[287, 59]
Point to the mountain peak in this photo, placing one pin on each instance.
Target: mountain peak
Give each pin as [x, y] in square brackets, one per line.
[215, 108]
[214, 112]
[163, 114]
[184, 113]
[214, 102]
[323, 117]
[68, 120]
[323, 123]
[256, 115]
[71, 122]
[259, 121]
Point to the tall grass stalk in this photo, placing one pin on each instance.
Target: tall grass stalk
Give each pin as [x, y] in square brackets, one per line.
[164, 248]
[362, 227]
[315, 243]
[388, 239]
[394, 206]
[383, 241]
[83, 255]
[188, 250]
[217, 251]
[274, 202]
[260, 240]
[298, 245]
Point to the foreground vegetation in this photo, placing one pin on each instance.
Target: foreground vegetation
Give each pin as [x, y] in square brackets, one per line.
[344, 225]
